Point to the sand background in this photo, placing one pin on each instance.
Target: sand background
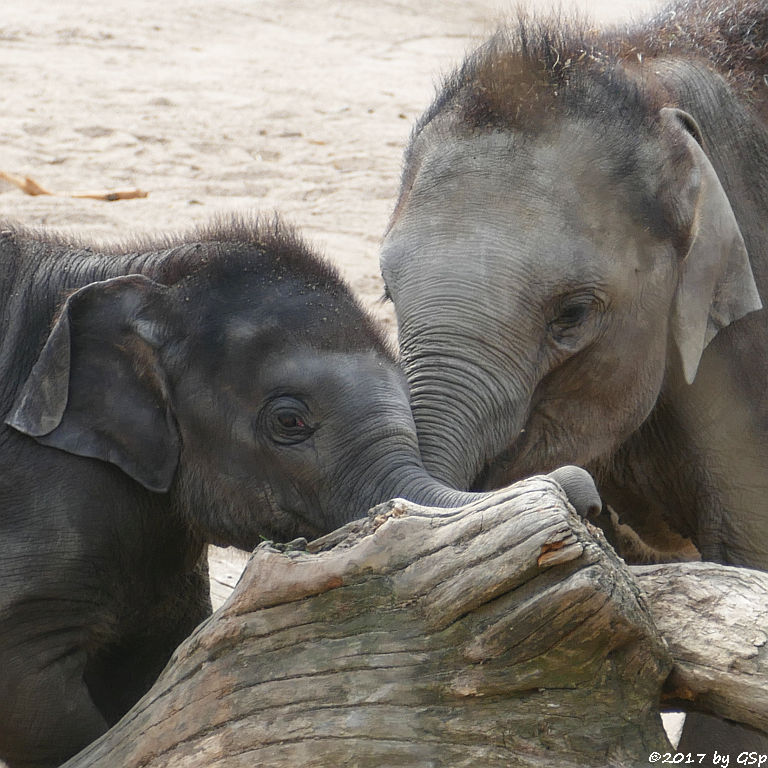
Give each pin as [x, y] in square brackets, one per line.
[230, 105]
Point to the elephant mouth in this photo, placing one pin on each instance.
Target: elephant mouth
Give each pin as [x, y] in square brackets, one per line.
[531, 453]
[532, 446]
[501, 470]
[291, 523]
[308, 528]
[540, 447]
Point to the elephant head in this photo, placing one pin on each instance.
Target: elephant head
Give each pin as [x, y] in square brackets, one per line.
[552, 271]
[236, 398]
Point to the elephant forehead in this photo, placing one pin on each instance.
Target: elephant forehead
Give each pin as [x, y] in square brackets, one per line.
[294, 368]
[312, 365]
[540, 199]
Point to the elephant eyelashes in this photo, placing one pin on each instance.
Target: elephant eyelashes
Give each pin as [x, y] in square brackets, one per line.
[286, 420]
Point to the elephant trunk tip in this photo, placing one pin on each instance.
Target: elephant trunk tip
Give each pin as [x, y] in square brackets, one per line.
[580, 488]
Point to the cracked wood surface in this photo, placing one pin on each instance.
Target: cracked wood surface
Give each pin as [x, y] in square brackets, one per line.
[503, 633]
[715, 620]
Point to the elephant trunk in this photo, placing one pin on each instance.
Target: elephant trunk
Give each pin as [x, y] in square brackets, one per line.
[463, 419]
[388, 467]
[421, 488]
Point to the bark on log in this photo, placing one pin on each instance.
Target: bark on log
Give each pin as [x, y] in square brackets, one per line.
[715, 620]
[501, 634]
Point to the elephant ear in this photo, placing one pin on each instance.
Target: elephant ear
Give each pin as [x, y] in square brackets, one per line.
[715, 286]
[97, 388]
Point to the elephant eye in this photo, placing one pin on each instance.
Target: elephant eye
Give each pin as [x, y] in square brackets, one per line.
[290, 421]
[286, 420]
[572, 313]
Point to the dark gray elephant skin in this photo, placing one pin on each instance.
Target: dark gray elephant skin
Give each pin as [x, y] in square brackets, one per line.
[218, 388]
[577, 259]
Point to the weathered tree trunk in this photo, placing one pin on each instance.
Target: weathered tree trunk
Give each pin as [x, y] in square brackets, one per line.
[715, 620]
[501, 634]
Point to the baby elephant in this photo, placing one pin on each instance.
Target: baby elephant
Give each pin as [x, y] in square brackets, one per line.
[217, 388]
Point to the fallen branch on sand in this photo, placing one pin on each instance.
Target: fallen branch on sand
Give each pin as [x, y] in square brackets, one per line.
[30, 187]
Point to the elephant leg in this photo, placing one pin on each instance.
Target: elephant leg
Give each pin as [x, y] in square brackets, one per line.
[121, 673]
[585, 499]
[640, 532]
[706, 734]
[633, 548]
[47, 714]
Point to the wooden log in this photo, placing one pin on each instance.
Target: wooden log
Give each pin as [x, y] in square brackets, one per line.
[500, 634]
[225, 566]
[715, 621]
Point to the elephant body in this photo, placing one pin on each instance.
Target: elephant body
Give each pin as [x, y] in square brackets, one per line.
[577, 258]
[221, 388]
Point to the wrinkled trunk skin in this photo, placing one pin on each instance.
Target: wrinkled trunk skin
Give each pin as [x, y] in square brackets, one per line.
[471, 374]
[420, 488]
[449, 448]
[383, 462]
[458, 433]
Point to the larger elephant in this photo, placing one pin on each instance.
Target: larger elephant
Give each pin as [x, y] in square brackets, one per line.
[576, 261]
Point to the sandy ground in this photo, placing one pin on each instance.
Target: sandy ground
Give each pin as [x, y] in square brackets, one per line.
[219, 105]
[298, 106]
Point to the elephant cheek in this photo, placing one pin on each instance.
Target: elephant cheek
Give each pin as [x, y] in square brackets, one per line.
[582, 413]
